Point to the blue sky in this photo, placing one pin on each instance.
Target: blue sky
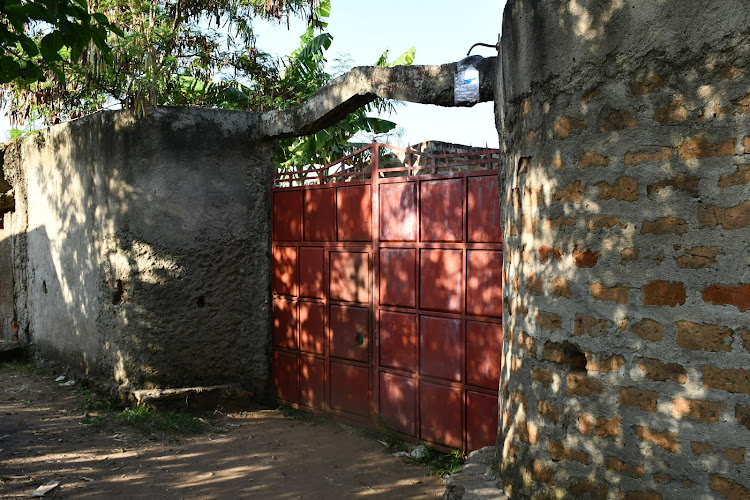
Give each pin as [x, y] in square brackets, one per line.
[442, 31]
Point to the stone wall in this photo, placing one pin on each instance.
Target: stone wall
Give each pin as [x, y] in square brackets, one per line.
[626, 191]
[142, 248]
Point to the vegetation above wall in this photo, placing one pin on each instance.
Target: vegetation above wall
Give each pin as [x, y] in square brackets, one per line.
[38, 36]
[59, 63]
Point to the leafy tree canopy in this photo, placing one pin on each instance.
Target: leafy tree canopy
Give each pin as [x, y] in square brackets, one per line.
[35, 35]
[305, 74]
[172, 52]
[167, 52]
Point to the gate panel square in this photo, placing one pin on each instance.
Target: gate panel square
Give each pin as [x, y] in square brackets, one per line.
[287, 215]
[481, 420]
[312, 382]
[398, 212]
[311, 265]
[484, 344]
[285, 376]
[312, 330]
[441, 348]
[354, 212]
[285, 323]
[441, 284]
[484, 210]
[320, 217]
[350, 277]
[484, 286]
[442, 410]
[398, 402]
[350, 389]
[398, 277]
[349, 333]
[284, 281]
[398, 340]
[442, 210]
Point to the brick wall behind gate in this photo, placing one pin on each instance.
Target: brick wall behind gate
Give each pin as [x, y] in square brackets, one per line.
[627, 231]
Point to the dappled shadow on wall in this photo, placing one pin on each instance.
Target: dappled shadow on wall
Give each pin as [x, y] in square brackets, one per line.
[624, 280]
[145, 254]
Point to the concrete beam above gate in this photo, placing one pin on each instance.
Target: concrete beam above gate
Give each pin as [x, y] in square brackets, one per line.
[364, 84]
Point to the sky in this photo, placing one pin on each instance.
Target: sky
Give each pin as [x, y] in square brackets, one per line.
[442, 32]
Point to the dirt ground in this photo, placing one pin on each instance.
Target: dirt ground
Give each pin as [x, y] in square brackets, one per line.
[258, 454]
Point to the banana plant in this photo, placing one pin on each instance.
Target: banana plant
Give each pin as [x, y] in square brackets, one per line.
[306, 73]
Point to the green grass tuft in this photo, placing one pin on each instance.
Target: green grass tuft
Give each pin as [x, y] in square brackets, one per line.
[95, 421]
[440, 464]
[305, 417]
[160, 422]
[443, 464]
[20, 366]
[93, 401]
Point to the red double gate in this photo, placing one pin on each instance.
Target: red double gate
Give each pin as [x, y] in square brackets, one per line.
[387, 302]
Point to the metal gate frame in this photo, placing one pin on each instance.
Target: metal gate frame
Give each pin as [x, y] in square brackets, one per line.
[288, 233]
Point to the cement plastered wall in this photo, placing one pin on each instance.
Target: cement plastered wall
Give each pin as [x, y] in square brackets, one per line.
[13, 251]
[147, 247]
[626, 191]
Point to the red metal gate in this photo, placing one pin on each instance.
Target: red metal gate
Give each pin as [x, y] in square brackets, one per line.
[387, 302]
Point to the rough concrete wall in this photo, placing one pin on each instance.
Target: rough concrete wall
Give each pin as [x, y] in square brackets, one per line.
[13, 255]
[627, 230]
[148, 247]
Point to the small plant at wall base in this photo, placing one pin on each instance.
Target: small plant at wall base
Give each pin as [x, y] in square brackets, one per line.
[151, 421]
[169, 424]
[301, 416]
[440, 464]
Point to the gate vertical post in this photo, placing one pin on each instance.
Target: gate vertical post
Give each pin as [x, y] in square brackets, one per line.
[375, 316]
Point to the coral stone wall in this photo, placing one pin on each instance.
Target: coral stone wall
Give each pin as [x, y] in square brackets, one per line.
[626, 187]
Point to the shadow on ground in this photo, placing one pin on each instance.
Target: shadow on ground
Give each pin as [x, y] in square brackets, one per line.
[258, 454]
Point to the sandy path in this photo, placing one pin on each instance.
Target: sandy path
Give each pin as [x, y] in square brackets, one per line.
[258, 454]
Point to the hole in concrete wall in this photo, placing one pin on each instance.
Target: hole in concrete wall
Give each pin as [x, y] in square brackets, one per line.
[567, 355]
[575, 358]
[44, 286]
[201, 302]
[117, 293]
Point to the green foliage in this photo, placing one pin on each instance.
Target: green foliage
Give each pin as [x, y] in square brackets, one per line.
[93, 401]
[95, 421]
[101, 412]
[169, 52]
[302, 416]
[306, 74]
[442, 464]
[20, 366]
[172, 52]
[37, 35]
[151, 421]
